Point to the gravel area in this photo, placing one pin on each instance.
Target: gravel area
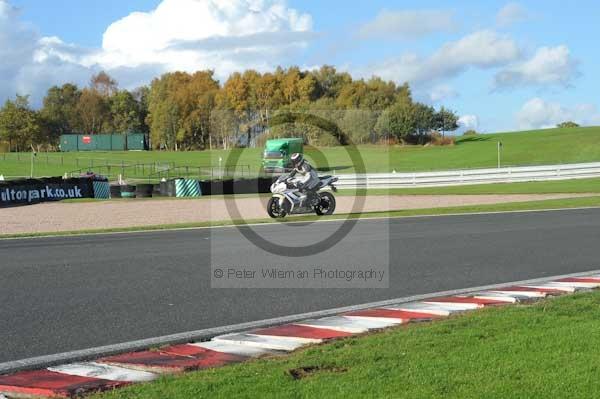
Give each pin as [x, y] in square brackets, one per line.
[56, 217]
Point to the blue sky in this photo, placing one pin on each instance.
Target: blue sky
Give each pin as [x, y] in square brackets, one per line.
[501, 65]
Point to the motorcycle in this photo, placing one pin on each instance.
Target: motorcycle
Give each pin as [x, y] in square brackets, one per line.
[288, 200]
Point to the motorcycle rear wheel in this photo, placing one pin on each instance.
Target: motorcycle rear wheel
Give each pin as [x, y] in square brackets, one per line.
[327, 204]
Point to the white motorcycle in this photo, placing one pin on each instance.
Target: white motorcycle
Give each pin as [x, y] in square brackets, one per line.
[288, 200]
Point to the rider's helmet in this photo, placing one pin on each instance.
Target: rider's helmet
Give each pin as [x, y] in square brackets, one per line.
[297, 159]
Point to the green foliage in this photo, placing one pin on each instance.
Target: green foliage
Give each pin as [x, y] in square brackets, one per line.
[125, 111]
[19, 124]
[568, 124]
[446, 120]
[399, 120]
[60, 109]
[470, 132]
[184, 111]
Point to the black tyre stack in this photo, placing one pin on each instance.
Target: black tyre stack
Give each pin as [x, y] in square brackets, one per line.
[128, 191]
[144, 190]
[115, 191]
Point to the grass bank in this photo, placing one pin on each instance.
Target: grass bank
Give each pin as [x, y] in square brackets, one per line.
[534, 187]
[546, 350]
[535, 147]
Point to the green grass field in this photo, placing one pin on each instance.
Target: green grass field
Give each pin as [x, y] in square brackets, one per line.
[546, 350]
[522, 148]
[535, 187]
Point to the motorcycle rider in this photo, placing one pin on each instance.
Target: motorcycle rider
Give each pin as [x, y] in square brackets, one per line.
[309, 178]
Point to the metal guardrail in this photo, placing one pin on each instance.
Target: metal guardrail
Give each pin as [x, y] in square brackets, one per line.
[470, 176]
[208, 172]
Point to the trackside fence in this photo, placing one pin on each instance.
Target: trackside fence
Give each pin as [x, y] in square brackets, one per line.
[470, 176]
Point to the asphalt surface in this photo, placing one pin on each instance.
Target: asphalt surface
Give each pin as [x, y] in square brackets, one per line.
[68, 293]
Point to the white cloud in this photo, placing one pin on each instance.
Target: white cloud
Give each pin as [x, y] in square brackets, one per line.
[481, 49]
[197, 34]
[224, 35]
[469, 122]
[510, 14]
[407, 24]
[17, 44]
[548, 66]
[441, 93]
[539, 114]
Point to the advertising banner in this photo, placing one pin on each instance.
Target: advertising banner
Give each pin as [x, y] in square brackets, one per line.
[33, 191]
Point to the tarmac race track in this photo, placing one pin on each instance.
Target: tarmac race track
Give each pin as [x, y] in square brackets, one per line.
[67, 293]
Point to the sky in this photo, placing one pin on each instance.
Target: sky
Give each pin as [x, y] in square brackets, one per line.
[500, 65]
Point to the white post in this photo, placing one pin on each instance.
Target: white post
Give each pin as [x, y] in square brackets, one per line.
[31, 172]
[499, 145]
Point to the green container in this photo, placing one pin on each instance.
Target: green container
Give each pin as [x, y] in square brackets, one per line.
[118, 142]
[136, 142]
[103, 142]
[68, 142]
[86, 142]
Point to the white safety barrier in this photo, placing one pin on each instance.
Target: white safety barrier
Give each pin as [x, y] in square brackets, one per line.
[470, 176]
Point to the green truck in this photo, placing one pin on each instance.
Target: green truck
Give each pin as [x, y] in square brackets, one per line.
[276, 157]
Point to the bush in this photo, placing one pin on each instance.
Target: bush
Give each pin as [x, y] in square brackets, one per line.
[390, 140]
[470, 132]
[567, 124]
[436, 138]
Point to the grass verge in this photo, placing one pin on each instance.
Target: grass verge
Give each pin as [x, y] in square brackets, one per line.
[534, 187]
[566, 203]
[548, 349]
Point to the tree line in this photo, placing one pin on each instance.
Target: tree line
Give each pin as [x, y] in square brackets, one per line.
[185, 111]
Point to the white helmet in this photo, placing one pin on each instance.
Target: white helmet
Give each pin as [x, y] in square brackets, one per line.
[297, 159]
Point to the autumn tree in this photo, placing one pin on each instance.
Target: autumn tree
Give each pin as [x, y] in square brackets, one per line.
[104, 84]
[397, 121]
[94, 112]
[268, 96]
[125, 112]
[196, 101]
[59, 109]
[359, 125]
[163, 113]
[329, 81]
[289, 85]
[142, 96]
[19, 125]
[424, 120]
[446, 121]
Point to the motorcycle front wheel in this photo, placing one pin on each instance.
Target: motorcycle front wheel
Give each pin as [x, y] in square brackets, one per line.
[274, 210]
[326, 205]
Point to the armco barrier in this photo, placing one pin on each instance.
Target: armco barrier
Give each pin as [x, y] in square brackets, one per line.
[33, 191]
[470, 176]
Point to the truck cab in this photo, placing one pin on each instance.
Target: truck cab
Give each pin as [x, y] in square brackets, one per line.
[277, 153]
